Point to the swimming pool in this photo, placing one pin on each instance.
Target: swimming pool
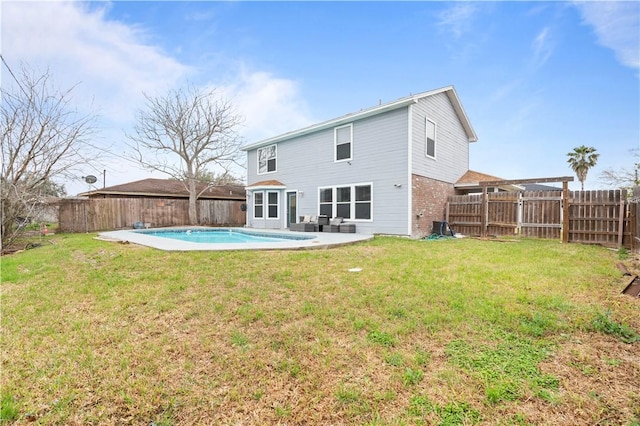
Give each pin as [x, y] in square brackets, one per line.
[175, 239]
[221, 235]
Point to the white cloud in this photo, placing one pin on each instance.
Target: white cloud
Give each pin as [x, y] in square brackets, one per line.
[115, 63]
[457, 19]
[542, 47]
[617, 26]
[110, 61]
[270, 105]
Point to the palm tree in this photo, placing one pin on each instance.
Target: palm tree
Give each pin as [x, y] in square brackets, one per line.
[581, 159]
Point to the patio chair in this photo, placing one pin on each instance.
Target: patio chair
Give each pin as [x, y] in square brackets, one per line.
[333, 226]
[306, 224]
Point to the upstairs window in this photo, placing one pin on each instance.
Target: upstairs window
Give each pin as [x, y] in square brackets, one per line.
[343, 138]
[267, 159]
[431, 139]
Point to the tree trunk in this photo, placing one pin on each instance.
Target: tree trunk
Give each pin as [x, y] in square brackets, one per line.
[193, 208]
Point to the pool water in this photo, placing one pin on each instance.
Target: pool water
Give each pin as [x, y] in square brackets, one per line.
[220, 236]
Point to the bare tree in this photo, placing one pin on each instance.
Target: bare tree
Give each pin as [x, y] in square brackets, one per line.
[623, 178]
[212, 179]
[43, 138]
[183, 133]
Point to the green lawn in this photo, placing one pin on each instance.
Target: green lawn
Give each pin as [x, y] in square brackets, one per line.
[429, 332]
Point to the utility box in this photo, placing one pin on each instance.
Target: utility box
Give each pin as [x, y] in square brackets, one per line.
[441, 228]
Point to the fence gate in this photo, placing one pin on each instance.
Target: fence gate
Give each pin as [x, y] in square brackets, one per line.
[540, 214]
[594, 217]
[501, 216]
[536, 214]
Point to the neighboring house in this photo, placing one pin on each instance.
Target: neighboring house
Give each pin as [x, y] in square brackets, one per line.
[156, 202]
[539, 187]
[388, 169]
[469, 183]
[166, 188]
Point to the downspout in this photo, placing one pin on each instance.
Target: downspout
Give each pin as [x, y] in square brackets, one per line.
[410, 214]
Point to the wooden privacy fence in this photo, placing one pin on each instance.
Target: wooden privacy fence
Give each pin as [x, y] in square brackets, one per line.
[101, 214]
[596, 217]
[635, 218]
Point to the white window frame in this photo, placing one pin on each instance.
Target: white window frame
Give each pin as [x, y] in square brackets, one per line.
[335, 143]
[254, 204]
[352, 201]
[355, 201]
[274, 157]
[331, 203]
[268, 205]
[426, 138]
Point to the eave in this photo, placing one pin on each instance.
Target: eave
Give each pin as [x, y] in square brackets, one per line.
[379, 109]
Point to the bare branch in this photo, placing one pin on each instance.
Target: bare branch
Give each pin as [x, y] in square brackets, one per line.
[185, 132]
[43, 138]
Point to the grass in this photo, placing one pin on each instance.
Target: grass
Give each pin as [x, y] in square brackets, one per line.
[429, 332]
[603, 323]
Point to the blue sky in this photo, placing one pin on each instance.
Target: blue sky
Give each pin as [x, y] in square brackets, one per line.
[535, 78]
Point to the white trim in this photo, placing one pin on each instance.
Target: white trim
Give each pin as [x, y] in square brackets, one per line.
[409, 185]
[335, 143]
[275, 146]
[427, 120]
[352, 202]
[253, 205]
[267, 205]
[286, 205]
[263, 187]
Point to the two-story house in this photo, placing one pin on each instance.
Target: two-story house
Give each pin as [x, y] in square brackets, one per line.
[388, 169]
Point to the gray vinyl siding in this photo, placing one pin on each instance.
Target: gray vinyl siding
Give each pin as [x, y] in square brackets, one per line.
[452, 145]
[266, 222]
[380, 158]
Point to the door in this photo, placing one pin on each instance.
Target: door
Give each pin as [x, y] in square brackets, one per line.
[292, 208]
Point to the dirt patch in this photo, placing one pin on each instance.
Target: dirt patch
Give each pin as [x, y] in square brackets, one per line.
[599, 382]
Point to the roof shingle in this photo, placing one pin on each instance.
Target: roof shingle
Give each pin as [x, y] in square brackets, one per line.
[169, 188]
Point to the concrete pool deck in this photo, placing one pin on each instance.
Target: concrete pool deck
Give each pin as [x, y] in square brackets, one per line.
[319, 240]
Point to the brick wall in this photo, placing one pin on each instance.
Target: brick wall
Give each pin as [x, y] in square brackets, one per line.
[429, 202]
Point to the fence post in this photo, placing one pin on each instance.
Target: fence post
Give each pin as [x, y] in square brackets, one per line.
[633, 224]
[565, 212]
[623, 197]
[519, 214]
[484, 211]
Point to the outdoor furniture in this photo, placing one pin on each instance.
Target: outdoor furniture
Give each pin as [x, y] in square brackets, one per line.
[333, 226]
[348, 228]
[306, 224]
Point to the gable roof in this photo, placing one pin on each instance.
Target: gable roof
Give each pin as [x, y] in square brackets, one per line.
[472, 179]
[169, 188]
[450, 91]
[267, 184]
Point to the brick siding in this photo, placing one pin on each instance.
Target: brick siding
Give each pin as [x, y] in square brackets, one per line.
[429, 203]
